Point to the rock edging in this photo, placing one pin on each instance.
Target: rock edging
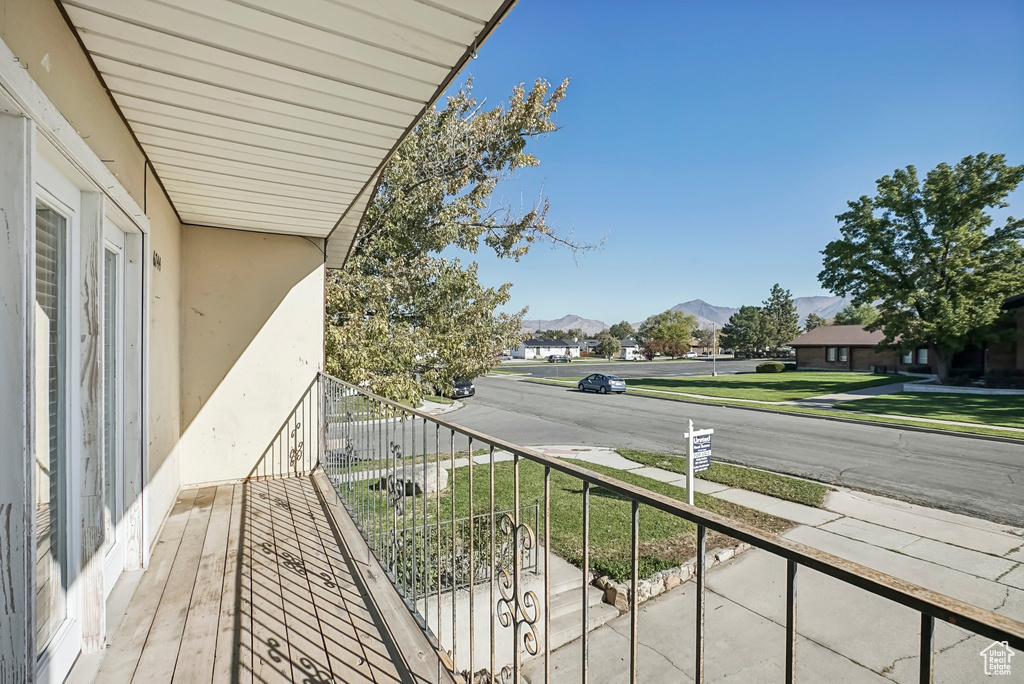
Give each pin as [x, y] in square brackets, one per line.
[618, 593]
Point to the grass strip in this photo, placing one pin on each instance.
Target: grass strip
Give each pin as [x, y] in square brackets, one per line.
[984, 409]
[770, 484]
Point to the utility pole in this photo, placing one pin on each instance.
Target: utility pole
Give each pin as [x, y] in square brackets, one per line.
[714, 350]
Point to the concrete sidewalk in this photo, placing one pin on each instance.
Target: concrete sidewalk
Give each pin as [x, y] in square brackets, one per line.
[846, 634]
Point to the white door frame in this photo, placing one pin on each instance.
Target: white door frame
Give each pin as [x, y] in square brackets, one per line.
[58, 193]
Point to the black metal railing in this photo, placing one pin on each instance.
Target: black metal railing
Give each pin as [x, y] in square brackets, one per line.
[396, 470]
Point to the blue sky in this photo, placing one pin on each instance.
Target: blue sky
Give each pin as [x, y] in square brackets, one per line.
[713, 143]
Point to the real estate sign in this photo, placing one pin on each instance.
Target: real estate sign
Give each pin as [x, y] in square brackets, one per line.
[701, 450]
[698, 452]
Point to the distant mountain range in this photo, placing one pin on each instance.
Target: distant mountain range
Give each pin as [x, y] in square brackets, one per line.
[705, 313]
[587, 325]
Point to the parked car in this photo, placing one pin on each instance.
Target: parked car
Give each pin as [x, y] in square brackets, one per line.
[602, 384]
[464, 388]
[690, 355]
[559, 358]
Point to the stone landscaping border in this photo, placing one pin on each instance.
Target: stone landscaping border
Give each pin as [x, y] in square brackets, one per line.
[618, 593]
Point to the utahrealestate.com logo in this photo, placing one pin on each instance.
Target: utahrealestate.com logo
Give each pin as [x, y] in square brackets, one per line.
[997, 659]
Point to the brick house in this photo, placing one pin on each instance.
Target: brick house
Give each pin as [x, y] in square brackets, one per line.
[852, 348]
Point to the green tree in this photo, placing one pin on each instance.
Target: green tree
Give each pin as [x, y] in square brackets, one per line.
[814, 321]
[928, 254]
[706, 338]
[780, 323]
[857, 314]
[622, 330]
[607, 346]
[549, 334]
[403, 320]
[745, 330]
[574, 334]
[668, 333]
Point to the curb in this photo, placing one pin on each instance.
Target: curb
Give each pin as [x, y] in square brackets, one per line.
[894, 426]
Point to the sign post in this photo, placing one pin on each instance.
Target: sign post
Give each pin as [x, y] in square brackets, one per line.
[698, 456]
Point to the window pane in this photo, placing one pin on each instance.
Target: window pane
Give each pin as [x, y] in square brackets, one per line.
[922, 356]
[51, 461]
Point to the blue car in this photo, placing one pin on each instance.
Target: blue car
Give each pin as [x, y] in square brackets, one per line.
[602, 384]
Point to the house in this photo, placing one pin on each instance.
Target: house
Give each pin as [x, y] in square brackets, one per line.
[589, 345]
[541, 349]
[174, 181]
[629, 350]
[853, 348]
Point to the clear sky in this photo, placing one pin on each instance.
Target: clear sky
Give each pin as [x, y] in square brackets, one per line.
[713, 143]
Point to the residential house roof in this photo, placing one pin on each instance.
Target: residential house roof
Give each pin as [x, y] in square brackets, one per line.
[1014, 302]
[628, 342]
[839, 335]
[550, 343]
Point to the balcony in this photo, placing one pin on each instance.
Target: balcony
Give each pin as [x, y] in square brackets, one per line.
[341, 564]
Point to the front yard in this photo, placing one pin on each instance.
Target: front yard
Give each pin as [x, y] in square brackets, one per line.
[786, 386]
[1005, 410]
[665, 540]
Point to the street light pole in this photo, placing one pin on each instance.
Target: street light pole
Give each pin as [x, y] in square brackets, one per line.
[714, 350]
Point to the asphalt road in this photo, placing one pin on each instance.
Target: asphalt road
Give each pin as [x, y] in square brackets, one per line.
[637, 369]
[977, 477]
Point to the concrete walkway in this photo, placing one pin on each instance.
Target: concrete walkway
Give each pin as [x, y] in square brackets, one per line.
[846, 634]
[826, 401]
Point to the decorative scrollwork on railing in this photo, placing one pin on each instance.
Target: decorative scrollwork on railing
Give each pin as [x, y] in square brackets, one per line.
[295, 454]
[516, 608]
[395, 486]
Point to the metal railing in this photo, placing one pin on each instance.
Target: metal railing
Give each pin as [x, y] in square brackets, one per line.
[389, 464]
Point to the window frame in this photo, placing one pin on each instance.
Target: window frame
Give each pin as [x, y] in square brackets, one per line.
[830, 354]
[844, 354]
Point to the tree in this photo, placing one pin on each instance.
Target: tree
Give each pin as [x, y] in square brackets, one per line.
[668, 333]
[574, 334]
[814, 321]
[622, 330]
[929, 256]
[607, 346]
[403, 320]
[851, 314]
[549, 334]
[745, 330]
[706, 338]
[780, 323]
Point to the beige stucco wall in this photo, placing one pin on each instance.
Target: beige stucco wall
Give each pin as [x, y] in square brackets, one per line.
[252, 342]
[36, 32]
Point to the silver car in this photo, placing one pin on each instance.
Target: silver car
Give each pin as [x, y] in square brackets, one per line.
[602, 384]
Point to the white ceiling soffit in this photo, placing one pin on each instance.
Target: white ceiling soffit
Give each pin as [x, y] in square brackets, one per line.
[277, 116]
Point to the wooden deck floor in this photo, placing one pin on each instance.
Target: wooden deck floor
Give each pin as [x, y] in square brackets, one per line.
[247, 584]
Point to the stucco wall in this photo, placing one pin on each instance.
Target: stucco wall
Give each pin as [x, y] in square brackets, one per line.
[252, 342]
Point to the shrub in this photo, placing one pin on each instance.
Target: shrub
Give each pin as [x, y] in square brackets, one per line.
[961, 377]
[1005, 379]
[771, 367]
[790, 366]
[923, 370]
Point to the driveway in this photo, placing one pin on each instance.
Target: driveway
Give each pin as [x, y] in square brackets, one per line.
[972, 476]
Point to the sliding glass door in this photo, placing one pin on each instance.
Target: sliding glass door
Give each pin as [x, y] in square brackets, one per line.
[52, 466]
[113, 406]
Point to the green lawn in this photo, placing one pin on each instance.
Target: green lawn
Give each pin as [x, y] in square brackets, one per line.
[771, 484]
[665, 540]
[1006, 410]
[438, 399]
[767, 386]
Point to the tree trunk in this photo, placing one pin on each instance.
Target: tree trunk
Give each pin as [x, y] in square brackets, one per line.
[941, 364]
